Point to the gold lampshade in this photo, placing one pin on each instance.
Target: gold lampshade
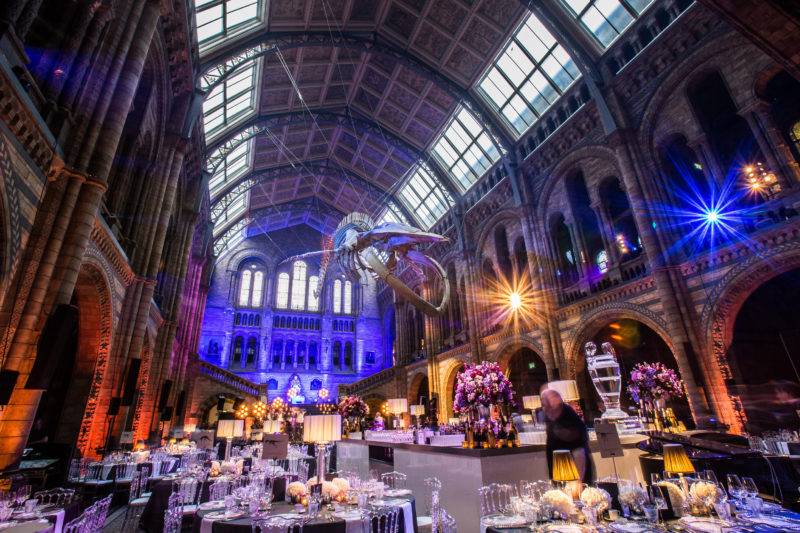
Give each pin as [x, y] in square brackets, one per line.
[398, 406]
[228, 429]
[567, 388]
[532, 402]
[322, 428]
[453, 421]
[564, 468]
[676, 461]
[417, 410]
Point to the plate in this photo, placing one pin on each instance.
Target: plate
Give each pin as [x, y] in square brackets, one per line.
[770, 520]
[700, 524]
[564, 528]
[213, 504]
[287, 516]
[348, 515]
[630, 527]
[504, 521]
[769, 507]
[393, 493]
[222, 515]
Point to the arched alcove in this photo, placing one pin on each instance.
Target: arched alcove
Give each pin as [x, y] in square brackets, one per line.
[527, 372]
[764, 356]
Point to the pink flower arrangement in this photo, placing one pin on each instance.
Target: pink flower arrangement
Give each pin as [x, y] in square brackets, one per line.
[353, 406]
[482, 384]
[654, 381]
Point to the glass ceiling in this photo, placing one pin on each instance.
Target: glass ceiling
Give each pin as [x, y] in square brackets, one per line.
[220, 20]
[530, 73]
[424, 196]
[231, 101]
[466, 149]
[606, 19]
[528, 76]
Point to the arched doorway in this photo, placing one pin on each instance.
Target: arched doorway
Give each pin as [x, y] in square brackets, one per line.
[450, 388]
[419, 392]
[527, 372]
[634, 342]
[764, 356]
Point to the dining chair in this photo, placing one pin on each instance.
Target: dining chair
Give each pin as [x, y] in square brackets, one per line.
[189, 489]
[381, 520]
[447, 524]
[427, 521]
[136, 504]
[74, 526]
[173, 516]
[394, 480]
[96, 515]
[220, 488]
[276, 524]
[495, 498]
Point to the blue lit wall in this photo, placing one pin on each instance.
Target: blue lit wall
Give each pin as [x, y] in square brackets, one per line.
[283, 347]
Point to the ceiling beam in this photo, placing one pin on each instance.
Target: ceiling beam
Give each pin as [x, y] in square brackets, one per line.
[214, 72]
[343, 117]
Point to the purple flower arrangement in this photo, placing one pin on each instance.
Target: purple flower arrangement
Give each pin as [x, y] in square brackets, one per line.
[353, 406]
[482, 384]
[654, 381]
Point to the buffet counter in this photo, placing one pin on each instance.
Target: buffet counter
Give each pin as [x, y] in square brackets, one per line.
[463, 470]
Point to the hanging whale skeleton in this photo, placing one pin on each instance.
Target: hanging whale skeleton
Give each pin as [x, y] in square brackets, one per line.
[357, 242]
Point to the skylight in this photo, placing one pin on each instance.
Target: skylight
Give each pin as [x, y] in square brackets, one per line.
[528, 76]
[231, 100]
[424, 196]
[466, 149]
[223, 213]
[392, 214]
[233, 166]
[607, 19]
[218, 20]
[233, 236]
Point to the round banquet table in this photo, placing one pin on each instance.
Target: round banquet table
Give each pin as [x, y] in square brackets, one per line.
[34, 526]
[152, 519]
[317, 525]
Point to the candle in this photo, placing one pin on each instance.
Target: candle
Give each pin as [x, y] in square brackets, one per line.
[304, 501]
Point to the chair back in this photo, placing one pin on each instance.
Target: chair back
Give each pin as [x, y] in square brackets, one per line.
[495, 498]
[94, 472]
[187, 487]
[220, 488]
[96, 515]
[432, 487]
[394, 480]
[302, 471]
[57, 497]
[137, 480]
[75, 470]
[74, 526]
[124, 471]
[381, 520]
[447, 524]
[276, 524]
[173, 516]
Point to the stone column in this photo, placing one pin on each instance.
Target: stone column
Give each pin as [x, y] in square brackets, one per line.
[773, 145]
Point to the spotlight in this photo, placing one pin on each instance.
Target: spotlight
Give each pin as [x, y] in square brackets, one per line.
[515, 301]
[712, 215]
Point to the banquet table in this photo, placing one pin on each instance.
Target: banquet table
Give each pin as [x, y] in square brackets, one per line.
[32, 526]
[407, 520]
[152, 519]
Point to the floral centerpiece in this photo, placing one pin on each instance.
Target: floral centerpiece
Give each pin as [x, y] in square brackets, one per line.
[652, 383]
[482, 384]
[353, 410]
[296, 490]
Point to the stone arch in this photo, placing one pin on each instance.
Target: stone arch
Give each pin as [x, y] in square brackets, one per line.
[92, 360]
[719, 315]
[508, 217]
[414, 385]
[450, 372]
[509, 346]
[593, 321]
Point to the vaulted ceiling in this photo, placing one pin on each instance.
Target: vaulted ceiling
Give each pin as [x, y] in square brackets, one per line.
[349, 97]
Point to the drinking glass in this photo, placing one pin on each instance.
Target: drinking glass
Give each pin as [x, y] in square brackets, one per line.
[23, 493]
[650, 512]
[230, 502]
[749, 487]
[313, 507]
[29, 505]
[735, 487]
[722, 509]
[710, 476]
[5, 512]
[590, 515]
[655, 478]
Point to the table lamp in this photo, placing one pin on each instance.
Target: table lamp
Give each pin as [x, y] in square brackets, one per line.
[322, 429]
[398, 407]
[453, 421]
[676, 461]
[418, 411]
[532, 402]
[272, 426]
[565, 471]
[567, 388]
[228, 429]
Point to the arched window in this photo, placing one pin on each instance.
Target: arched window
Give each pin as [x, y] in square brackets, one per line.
[337, 355]
[252, 350]
[315, 384]
[337, 296]
[301, 353]
[282, 294]
[602, 261]
[237, 349]
[312, 353]
[272, 384]
[277, 351]
[299, 286]
[258, 289]
[313, 300]
[244, 288]
[348, 355]
[348, 297]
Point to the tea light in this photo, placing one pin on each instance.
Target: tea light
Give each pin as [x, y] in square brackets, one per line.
[304, 501]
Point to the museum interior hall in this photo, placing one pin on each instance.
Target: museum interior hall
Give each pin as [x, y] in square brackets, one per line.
[396, 265]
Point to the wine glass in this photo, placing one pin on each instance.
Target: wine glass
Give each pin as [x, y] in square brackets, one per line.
[749, 486]
[23, 493]
[710, 476]
[735, 487]
[655, 478]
